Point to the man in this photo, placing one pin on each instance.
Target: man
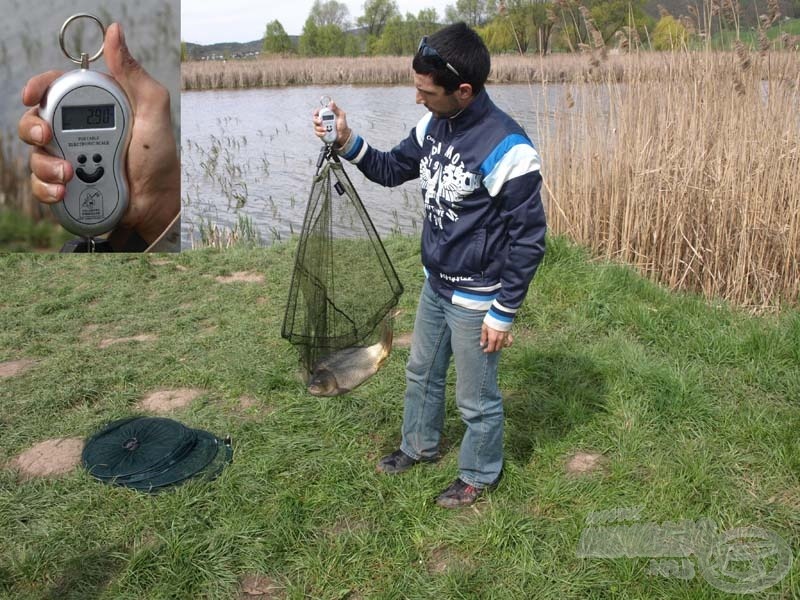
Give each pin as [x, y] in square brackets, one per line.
[482, 241]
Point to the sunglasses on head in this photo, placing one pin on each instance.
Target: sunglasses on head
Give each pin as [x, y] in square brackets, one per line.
[430, 52]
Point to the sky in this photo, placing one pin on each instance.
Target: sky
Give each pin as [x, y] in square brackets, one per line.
[214, 21]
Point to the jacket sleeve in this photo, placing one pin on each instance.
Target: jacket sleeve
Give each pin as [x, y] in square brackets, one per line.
[391, 168]
[516, 183]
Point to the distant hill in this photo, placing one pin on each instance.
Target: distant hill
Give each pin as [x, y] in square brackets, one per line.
[229, 49]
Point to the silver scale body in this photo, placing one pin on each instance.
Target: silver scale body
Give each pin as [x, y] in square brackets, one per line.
[89, 207]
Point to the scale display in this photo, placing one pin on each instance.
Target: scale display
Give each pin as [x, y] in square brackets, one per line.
[88, 117]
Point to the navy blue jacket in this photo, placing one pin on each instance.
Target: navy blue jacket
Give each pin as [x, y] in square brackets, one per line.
[484, 228]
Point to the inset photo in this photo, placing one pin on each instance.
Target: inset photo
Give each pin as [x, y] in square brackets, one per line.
[89, 123]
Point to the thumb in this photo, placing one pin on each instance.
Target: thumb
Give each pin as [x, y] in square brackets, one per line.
[336, 110]
[137, 83]
[484, 335]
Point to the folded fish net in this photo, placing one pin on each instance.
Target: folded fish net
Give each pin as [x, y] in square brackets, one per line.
[343, 283]
[153, 453]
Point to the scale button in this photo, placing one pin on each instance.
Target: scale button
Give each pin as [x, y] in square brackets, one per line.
[82, 159]
[97, 158]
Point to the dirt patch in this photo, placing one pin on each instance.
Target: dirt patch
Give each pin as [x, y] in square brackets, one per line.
[160, 262]
[145, 337]
[444, 558]
[581, 463]
[89, 332]
[402, 340]
[252, 587]
[241, 277]
[249, 406]
[247, 402]
[13, 368]
[789, 498]
[165, 401]
[344, 526]
[50, 458]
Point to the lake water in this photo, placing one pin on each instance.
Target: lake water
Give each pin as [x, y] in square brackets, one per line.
[29, 45]
[253, 152]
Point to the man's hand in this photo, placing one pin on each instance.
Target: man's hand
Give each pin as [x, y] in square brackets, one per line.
[493, 340]
[153, 165]
[343, 132]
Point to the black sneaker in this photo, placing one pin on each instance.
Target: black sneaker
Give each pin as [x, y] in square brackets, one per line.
[398, 461]
[461, 494]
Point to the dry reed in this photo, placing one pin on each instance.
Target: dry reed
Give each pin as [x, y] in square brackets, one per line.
[396, 70]
[15, 186]
[692, 178]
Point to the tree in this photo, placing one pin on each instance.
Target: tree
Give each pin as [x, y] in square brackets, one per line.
[329, 13]
[376, 14]
[309, 39]
[322, 40]
[498, 36]
[669, 34]
[472, 12]
[528, 24]
[611, 16]
[394, 40]
[276, 40]
[401, 36]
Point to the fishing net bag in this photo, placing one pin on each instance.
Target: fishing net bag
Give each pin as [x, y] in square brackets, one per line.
[152, 454]
[343, 283]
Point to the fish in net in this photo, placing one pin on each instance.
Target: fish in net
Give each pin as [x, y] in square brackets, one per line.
[343, 286]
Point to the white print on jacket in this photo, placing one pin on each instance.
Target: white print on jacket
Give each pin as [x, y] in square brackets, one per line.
[445, 182]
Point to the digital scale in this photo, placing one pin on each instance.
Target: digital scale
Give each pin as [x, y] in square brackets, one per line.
[328, 120]
[91, 119]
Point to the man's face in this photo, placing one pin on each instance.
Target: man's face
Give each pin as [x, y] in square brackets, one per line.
[434, 97]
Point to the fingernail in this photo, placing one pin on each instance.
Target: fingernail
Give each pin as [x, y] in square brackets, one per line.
[60, 171]
[52, 192]
[37, 133]
[121, 34]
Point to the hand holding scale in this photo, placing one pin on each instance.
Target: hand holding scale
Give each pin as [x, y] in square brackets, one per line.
[91, 119]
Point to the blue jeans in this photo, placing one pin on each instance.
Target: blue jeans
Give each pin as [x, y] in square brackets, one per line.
[442, 330]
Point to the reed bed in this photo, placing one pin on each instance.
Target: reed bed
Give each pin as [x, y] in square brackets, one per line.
[277, 71]
[396, 70]
[692, 177]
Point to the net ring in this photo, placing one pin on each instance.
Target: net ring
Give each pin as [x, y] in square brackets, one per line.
[80, 60]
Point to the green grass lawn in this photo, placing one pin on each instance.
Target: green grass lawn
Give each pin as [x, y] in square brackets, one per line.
[694, 406]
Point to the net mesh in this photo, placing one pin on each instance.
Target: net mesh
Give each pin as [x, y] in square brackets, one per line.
[343, 284]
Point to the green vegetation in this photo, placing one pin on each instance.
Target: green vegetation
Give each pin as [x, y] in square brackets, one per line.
[749, 37]
[522, 26]
[19, 233]
[694, 407]
[669, 34]
[276, 40]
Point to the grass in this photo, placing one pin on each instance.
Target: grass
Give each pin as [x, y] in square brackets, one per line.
[19, 233]
[693, 405]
